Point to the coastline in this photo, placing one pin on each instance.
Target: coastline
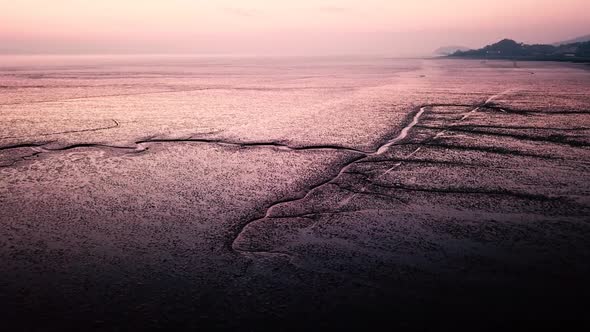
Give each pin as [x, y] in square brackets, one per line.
[585, 60]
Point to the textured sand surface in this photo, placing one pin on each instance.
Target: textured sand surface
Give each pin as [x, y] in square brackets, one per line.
[225, 194]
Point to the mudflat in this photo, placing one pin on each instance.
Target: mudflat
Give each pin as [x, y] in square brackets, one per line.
[222, 193]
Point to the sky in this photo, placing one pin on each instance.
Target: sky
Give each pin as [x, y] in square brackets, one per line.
[275, 27]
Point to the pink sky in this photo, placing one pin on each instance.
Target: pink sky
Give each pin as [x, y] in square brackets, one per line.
[388, 27]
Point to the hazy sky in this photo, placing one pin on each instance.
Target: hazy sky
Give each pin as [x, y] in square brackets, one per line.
[389, 27]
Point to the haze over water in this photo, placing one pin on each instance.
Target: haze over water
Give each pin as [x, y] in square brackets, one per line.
[260, 27]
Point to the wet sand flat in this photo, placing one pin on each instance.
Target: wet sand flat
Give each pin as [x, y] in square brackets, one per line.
[227, 193]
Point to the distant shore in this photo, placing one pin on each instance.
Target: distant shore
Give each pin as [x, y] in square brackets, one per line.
[508, 49]
[522, 58]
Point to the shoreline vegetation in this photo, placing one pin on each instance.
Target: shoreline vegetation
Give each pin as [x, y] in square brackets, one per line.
[508, 49]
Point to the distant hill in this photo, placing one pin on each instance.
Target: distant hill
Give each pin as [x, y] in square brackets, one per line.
[575, 40]
[510, 49]
[448, 50]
